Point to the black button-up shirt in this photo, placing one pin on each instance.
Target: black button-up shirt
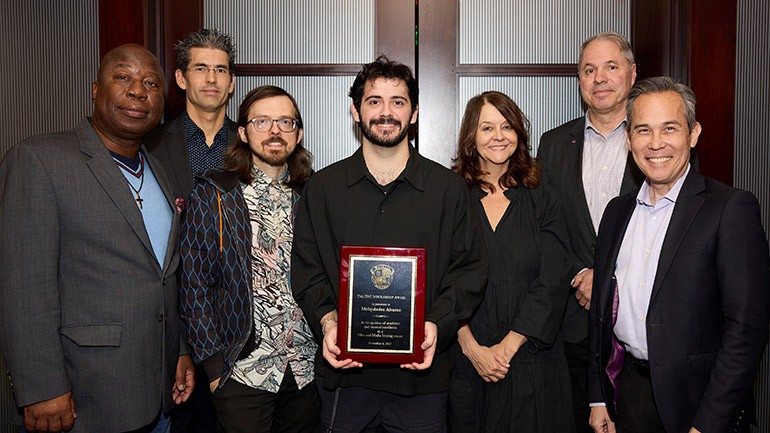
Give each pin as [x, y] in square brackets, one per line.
[427, 206]
[203, 157]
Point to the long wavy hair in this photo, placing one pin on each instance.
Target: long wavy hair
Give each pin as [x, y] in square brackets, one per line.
[238, 157]
[522, 168]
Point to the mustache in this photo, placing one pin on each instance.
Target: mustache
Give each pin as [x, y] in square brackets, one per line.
[278, 140]
[385, 121]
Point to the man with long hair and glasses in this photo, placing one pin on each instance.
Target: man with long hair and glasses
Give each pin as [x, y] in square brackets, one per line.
[244, 326]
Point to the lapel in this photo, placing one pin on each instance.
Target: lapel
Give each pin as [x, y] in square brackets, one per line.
[574, 157]
[232, 131]
[632, 177]
[687, 206]
[108, 174]
[168, 191]
[617, 227]
[178, 155]
[239, 225]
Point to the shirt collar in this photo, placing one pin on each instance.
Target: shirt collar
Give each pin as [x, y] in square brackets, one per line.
[262, 180]
[590, 126]
[413, 173]
[643, 197]
[192, 129]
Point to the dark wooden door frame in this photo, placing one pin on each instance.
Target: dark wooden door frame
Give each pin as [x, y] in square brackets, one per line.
[167, 21]
[693, 42]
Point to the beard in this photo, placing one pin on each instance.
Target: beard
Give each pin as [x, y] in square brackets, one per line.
[391, 139]
[273, 157]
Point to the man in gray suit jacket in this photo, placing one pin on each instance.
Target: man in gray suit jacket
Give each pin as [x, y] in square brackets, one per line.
[88, 244]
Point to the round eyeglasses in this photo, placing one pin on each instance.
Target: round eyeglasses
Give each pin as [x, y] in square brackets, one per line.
[264, 123]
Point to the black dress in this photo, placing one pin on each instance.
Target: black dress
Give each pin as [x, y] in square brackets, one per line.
[526, 292]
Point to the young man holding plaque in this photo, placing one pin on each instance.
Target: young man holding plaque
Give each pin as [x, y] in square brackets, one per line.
[387, 195]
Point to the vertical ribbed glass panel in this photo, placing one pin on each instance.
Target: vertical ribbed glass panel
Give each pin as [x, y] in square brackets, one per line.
[546, 101]
[752, 127]
[296, 31]
[330, 132]
[535, 31]
[50, 50]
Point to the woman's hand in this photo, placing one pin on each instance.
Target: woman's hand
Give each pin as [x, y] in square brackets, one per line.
[489, 365]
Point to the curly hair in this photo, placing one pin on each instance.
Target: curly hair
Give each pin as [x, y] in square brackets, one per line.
[383, 67]
[522, 168]
[238, 157]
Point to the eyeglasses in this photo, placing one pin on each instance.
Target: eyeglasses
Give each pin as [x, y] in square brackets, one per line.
[202, 70]
[264, 123]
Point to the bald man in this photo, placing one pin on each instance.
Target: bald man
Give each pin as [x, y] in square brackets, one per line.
[88, 241]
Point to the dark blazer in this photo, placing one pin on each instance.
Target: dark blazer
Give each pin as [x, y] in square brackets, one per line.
[707, 324]
[560, 154]
[84, 305]
[168, 144]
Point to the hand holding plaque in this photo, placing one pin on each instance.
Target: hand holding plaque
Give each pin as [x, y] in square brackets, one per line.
[382, 304]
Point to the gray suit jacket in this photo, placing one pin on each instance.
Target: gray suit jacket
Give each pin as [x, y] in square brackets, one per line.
[84, 304]
[561, 157]
[168, 144]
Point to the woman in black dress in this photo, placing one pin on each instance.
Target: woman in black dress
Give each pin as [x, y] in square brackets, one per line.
[511, 374]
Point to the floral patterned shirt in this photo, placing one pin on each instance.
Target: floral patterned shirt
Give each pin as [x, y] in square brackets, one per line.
[285, 339]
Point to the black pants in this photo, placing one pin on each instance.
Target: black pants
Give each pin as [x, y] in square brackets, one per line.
[243, 409]
[197, 414]
[361, 410]
[577, 362]
[637, 412]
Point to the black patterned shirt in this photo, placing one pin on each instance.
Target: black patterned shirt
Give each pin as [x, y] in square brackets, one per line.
[203, 157]
[285, 338]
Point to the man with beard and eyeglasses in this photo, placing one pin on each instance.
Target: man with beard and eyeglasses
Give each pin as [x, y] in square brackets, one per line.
[244, 326]
[386, 194]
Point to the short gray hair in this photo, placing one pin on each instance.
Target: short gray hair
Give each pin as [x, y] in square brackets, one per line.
[617, 39]
[205, 38]
[660, 85]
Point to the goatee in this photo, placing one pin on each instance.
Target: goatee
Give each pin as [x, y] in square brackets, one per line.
[391, 140]
[273, 157]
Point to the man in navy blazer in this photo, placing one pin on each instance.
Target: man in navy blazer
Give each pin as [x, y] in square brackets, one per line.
[190, 145]
[196, 141]
[679, 313]
[587, 162]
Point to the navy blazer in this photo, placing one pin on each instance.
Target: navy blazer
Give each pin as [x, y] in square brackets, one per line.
[707, 323]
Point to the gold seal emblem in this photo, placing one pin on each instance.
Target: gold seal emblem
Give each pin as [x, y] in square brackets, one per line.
[382, 276]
